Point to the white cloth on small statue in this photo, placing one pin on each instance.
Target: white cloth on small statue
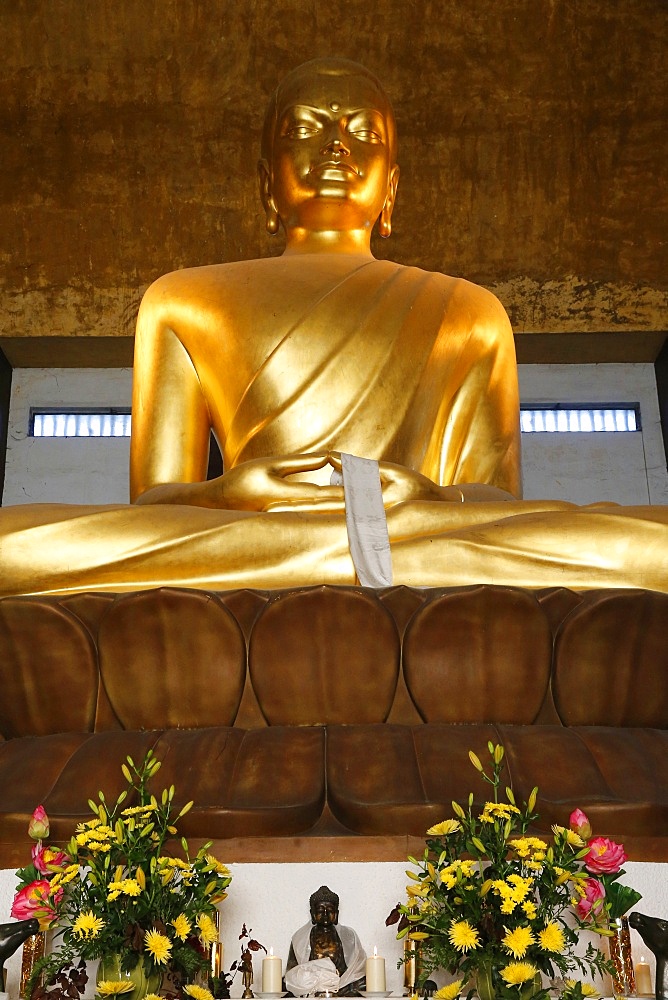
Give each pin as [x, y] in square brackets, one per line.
[366, 521]
[319, 968]
[315, 976]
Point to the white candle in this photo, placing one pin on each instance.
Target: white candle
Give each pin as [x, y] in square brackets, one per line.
[643, 978]
[272, 973]
[375, 973]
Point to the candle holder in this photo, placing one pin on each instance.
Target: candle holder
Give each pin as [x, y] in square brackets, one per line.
[411, 965]
[623, 980]
[33, 950]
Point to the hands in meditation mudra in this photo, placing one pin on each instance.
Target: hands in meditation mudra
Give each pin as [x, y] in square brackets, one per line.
[325, 350]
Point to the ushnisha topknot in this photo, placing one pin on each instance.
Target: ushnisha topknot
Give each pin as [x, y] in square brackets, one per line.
[323, 895]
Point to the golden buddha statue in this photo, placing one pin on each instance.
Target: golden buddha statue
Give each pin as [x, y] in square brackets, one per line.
[295, 359]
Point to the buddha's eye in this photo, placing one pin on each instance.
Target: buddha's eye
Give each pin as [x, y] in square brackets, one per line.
[366, 135]
[300, 131]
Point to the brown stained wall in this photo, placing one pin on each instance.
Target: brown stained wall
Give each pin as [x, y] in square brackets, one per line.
[532, 144]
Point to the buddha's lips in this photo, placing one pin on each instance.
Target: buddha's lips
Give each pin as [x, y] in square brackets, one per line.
[333, 165]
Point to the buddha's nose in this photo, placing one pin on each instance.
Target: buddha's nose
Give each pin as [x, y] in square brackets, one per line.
[334, 145]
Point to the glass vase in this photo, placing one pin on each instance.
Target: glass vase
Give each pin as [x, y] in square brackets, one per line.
[624, 978]
[33, 950]
[109, 970]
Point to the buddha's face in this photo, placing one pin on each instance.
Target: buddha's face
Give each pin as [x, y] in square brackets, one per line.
[325, 914]
[332, 152]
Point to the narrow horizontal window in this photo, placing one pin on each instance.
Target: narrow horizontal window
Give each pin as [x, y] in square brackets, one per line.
[104, 422]
[579, 419]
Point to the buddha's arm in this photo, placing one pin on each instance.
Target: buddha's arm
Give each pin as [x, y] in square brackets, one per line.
[170, 420]
[475, 441]
[171, 427]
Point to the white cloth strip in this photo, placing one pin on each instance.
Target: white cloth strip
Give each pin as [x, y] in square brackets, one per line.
[366, 522]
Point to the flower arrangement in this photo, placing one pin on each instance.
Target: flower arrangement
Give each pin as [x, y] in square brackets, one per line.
[114, 890]
[498, 908]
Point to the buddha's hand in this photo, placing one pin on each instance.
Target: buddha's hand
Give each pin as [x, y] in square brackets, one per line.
[263, 484]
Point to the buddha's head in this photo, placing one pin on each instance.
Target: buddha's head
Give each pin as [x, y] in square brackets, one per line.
[328, 150]
[324, 905]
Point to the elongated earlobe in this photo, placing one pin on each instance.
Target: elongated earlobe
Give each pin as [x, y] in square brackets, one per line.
[267, 200]
[385, 224]
[272, 220]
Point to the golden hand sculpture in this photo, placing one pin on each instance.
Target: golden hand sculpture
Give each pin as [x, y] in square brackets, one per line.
[295, 359]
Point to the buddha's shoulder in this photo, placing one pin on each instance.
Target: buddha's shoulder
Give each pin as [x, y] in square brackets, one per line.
[461, 296]
[266, 276]
[189, 280]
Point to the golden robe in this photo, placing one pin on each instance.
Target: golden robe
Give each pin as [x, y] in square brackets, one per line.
[372, 363]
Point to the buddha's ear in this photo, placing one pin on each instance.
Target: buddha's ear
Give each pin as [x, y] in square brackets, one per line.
[385, 225]
[264, 175]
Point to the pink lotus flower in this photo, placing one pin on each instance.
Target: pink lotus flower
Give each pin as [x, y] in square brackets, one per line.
[579, 824]
[591, 904]
[48, 860]
[34, 901]
[38, 827]
[605, 856]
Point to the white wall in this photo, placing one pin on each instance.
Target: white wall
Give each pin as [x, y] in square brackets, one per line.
[583, 468]
[66, 470]
[272, 899]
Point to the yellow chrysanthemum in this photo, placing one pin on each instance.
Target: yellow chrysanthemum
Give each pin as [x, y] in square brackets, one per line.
[517, 941]
[62, 878]
[527, 845]
[207, 929]
[128, 886]
[450, 992]
[497, 810]
[529, 909]
[444, 828]
[587, 989]
[218, 866]
[570, 836]
[158, 946]
[138, 810]
[87, 925]
[112, 987]
[181, 926]
[152, 996]
[165, 862]
[198, 992]
[518, 972]
[88, 825]
[551, 938]
[462, 936]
